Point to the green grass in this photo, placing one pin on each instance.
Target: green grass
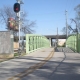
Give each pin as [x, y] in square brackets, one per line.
[16, 54]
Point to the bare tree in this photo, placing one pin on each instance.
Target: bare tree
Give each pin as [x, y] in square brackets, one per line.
[69, 30]
[7, 12]
[77, 19]
[77, 9]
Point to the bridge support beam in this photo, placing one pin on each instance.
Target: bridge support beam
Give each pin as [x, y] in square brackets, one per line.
[50, 41]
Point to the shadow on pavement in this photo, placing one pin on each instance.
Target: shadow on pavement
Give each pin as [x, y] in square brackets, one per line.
[52, 70]
[66, 68]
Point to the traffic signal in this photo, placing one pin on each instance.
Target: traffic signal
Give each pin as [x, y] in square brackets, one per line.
[16, 7]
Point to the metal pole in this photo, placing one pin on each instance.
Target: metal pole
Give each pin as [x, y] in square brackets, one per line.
[19, 27]
[66, 24]
[18, 15]
[57, 36]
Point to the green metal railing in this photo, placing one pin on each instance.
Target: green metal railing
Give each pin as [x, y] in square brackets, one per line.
[73, 42]
[34, 42]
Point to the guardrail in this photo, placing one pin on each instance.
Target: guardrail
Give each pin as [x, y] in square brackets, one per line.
[34, 42]
[73, 42]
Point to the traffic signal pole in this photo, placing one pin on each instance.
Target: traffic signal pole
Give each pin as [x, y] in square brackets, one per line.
[17, 11]
[19, 28]
[18, 16]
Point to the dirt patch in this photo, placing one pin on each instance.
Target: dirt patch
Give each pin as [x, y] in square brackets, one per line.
[4, 57]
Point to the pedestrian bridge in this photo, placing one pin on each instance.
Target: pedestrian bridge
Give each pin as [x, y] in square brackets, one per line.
[34, 42]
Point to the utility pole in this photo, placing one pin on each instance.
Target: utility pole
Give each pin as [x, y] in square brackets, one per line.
[66, 24]
[57, 36]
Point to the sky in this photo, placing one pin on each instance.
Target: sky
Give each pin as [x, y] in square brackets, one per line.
[48, 14]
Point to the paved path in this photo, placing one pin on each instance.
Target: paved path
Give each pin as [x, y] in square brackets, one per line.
[15, 66]
[62, 66]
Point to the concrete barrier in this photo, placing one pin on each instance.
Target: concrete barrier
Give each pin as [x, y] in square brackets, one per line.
[6, 44]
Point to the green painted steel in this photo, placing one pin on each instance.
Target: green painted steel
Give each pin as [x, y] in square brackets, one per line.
[78, 43]
[34, 42]
[73, 43]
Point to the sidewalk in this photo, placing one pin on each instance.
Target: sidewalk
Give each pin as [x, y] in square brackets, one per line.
[63, 66]
[68, 68]
[14, 66]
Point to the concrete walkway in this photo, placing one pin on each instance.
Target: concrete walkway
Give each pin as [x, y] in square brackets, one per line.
[62, 66]
[68, 68]
[15, 66]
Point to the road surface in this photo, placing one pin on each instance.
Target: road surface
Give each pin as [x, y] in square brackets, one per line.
[62, 66]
